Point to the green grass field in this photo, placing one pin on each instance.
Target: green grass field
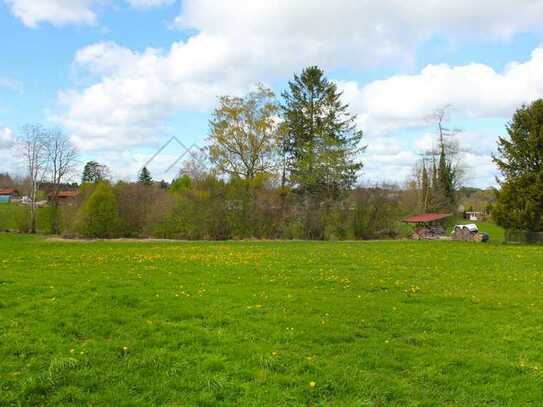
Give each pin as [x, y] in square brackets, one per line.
[270, 323]
[9, 212]
[7, 216]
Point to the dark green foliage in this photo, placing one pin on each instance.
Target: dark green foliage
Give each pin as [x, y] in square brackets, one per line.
[520, 160]
[144, 177]
[322, 141]
[93, 173]
[99, 217]
[446, 180]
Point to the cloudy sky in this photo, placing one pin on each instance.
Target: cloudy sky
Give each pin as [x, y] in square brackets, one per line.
[124, 76]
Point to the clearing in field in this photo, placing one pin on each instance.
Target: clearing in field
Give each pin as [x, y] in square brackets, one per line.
[270, 323]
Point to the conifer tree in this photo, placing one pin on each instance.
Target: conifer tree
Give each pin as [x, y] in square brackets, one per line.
[144, 177]
[322, 141]
[520, 160]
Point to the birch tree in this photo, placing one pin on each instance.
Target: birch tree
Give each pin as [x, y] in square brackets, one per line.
[34, 153]
[62, 158]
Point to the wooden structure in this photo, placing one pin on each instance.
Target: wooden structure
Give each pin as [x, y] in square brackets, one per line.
[469, 233]
[428, 226]
[8, 194]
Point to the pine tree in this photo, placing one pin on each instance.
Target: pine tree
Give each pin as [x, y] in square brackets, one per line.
[520, 160]
[144, 177]
[322, 141]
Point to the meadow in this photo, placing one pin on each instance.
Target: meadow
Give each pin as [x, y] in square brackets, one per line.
[270, 323]
[13, 216]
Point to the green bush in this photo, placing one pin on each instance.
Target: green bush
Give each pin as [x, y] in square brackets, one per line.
[100, 214]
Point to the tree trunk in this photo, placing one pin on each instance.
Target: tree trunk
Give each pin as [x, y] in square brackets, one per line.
[33, 210]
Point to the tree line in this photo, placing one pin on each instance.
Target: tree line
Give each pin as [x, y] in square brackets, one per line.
[284, 167]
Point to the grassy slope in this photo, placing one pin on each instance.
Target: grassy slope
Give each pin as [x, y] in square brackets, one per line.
[380, 323]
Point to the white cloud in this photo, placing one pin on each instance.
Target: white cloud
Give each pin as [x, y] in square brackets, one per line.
[236, 43]
[138, 91]
[474, 90]
[67, 12]
[7, 139]
[240, 42]
[56, 12]
[357, 33]
[149, 3]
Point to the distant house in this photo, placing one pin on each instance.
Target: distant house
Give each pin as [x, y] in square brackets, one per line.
[474, 215]
[8, 194]
[63, 196]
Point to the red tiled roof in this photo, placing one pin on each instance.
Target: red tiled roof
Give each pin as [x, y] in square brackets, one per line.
[427, 217]
[9, 191]
[67, 194]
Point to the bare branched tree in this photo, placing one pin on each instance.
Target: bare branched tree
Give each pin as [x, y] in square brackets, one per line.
[440, 170]
[34, 152]
[448, 142]
[62, 157]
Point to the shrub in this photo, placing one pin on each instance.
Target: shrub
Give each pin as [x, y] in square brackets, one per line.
[99, 214]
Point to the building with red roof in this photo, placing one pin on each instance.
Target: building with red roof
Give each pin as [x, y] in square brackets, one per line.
[427, 218]
[428, 226]
[7, 194]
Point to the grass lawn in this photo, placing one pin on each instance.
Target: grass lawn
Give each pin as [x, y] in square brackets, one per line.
[270, 323]
[7, 215]
[10, 211]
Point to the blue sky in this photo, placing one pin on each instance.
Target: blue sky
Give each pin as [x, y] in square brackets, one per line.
[123, 76]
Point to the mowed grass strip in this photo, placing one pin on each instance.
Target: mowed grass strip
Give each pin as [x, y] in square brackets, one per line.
[270, 323]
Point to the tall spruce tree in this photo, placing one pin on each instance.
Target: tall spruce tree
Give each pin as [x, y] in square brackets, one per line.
[144, 177]
[322, 141]
[520, 160]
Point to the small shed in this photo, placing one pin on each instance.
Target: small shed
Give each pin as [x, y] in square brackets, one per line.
[8, 194]
[428, 226]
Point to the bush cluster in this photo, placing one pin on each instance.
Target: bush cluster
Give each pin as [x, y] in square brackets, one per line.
[209, 208]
